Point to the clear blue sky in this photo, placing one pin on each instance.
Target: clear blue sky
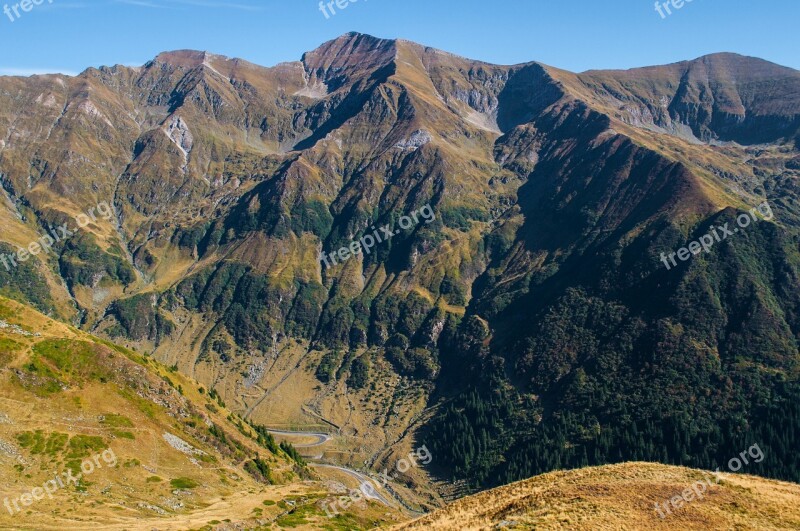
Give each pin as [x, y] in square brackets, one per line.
[70, 35]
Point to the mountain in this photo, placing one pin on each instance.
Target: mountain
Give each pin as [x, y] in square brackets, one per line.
[624, 497]
[720, 97]
[525, 321]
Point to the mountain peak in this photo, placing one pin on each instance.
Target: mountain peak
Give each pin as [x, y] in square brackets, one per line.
[351, 52]
[359, 38]
[352, 45]
[744, 66]
[195, 58]
[185, 58]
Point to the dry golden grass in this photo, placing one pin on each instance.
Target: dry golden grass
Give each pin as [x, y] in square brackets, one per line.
[622, 497]
[137, 492]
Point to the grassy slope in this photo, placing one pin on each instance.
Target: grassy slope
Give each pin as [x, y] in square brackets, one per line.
[66, 396]
[622, 497]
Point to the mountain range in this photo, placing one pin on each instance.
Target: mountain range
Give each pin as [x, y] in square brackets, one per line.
[531, 326]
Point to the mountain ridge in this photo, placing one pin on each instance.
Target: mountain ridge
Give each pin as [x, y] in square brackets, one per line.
[354, 34]
[554, 192]
[623, 497]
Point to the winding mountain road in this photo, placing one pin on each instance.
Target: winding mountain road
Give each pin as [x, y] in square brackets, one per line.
[371, 493]
[322, 438]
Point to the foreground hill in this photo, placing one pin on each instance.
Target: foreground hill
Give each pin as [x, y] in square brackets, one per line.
[93, 436]
[622, 498]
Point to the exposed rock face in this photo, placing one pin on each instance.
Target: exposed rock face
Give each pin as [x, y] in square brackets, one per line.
[417, 139]
[179, 132]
